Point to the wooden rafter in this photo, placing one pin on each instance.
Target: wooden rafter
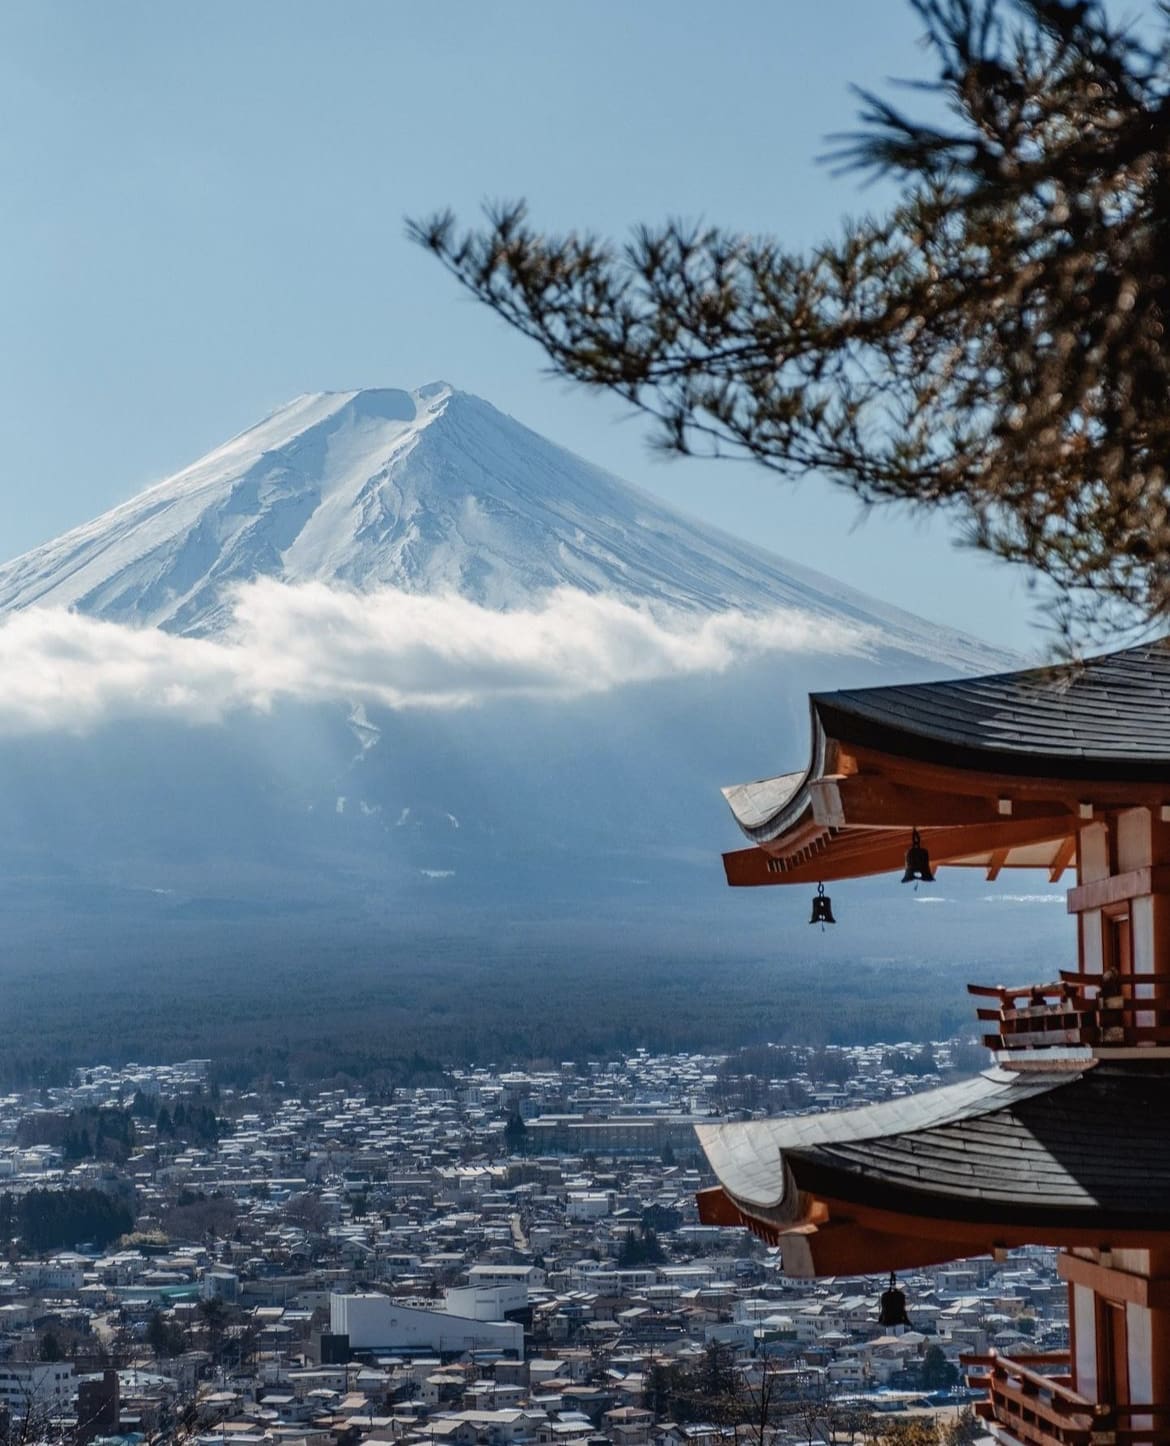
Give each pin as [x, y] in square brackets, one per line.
[868, 800]
[854, 853]
[1064, 856]
[937, 777]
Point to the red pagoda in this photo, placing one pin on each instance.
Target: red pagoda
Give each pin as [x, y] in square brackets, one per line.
[1065, 1140]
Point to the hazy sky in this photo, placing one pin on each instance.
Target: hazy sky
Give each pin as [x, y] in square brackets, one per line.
[203, 208]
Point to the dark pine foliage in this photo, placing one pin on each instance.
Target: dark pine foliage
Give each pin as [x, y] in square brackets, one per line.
[90, 1133]
[61, 1219]
[516, 1134]
[642, 1248]
[191, 1122]
[996, 344]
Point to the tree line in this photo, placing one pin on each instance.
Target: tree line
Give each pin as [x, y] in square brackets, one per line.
[43, 1220]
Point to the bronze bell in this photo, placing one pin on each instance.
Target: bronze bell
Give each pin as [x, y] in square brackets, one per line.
[917, 862]
[892, 1306]
[822, 908]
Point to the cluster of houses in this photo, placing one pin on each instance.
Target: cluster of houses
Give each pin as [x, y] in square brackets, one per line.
[492, 1259]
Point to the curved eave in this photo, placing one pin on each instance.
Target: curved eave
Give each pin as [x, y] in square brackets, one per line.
[748, 1157]
[819, 825]
[1002, 766]
[828, 1247]
[845, 1240]
[772, 808]
[765, 808]
[1007, 1158]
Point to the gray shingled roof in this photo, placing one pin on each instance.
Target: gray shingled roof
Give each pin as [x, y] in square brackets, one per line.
[1054, 1148]
[1108, 717]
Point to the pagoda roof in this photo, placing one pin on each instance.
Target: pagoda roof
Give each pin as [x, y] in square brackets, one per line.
[1108, 717]
[994, 771]
[1054, 1156]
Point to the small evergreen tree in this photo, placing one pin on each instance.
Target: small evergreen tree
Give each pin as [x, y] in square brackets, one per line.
[156, 1333]
[516, 1133]
[49, 1347]
[938, 1374]
[640, 1249]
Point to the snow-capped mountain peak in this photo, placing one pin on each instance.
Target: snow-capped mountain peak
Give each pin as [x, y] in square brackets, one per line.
[432, 491]
[288, 484]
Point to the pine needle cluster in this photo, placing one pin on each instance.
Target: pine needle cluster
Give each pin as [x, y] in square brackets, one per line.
[995, 344]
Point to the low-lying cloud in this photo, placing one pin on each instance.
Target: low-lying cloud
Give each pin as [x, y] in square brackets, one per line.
[314, 643]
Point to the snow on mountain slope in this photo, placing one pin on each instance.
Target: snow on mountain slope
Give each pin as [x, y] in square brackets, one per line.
[430, 491]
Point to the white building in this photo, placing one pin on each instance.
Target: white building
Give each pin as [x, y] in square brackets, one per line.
[585, 1205]
[37, 1387]
[489, 1302]
[378, 1322]
[56, 1274]
[481, 1275]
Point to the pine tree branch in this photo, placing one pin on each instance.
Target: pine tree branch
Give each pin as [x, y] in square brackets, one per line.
[996, 344]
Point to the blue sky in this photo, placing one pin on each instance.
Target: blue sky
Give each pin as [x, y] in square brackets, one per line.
[203, 212]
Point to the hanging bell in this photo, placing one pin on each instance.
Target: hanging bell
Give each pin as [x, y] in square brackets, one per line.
[892, 1306]
[917, 862]
[822, 908]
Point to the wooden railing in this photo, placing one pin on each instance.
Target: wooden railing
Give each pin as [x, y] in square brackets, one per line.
[1030, 1398]
[1076, 1010]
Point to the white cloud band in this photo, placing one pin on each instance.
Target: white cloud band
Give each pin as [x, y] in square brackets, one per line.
[64, 671]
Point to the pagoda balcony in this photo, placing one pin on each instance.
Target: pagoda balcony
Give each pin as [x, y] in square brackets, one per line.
[1074, 1012]
[1030, 1401]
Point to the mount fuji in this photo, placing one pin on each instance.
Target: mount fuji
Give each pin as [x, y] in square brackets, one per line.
[433, 492]
[353, 813]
